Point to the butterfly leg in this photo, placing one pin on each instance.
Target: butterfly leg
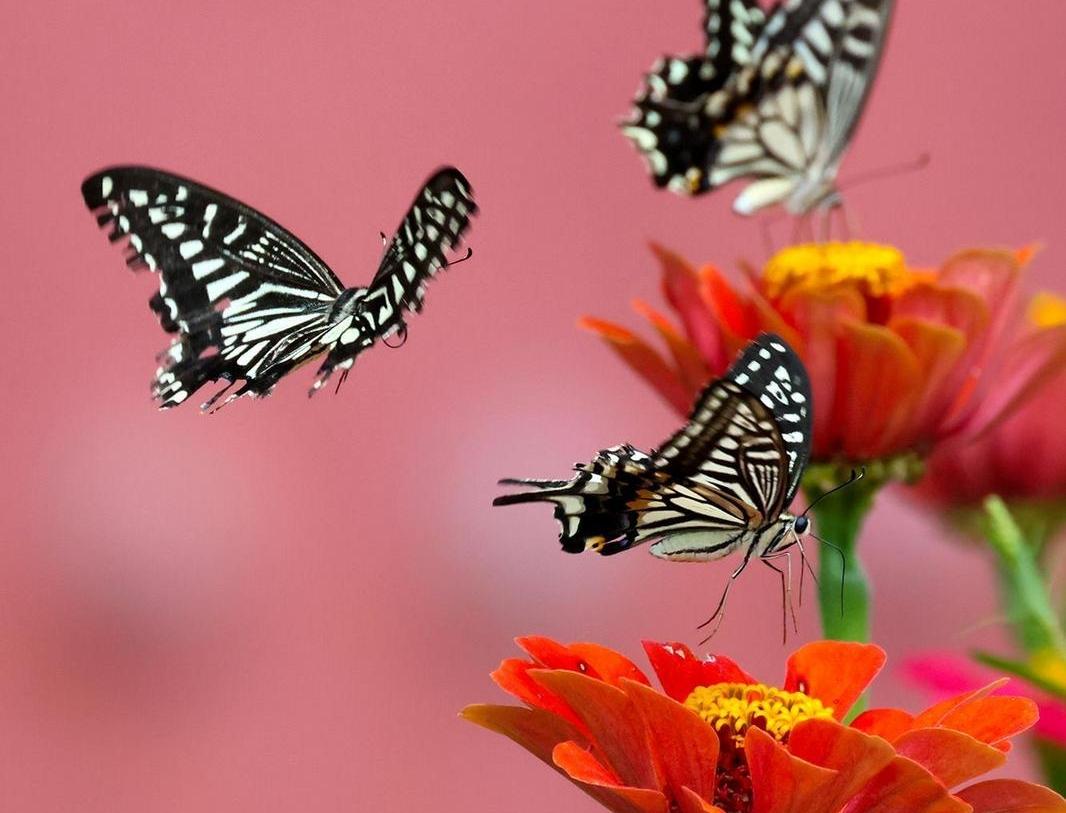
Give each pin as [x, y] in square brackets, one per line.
[719, 611]
[787, 606]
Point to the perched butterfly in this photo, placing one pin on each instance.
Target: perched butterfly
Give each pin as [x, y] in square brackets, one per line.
[722, 483]
[776, 97]
[249, 301]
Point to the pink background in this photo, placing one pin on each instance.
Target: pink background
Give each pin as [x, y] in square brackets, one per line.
[282, 607]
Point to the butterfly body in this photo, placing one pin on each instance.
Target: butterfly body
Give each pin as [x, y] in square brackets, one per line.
[247, 300]
[722, 483]
[774, 100]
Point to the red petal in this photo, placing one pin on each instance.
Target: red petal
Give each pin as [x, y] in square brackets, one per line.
[598, 782]
[886, 723]
[613, 726]
[643, 359]
[692, 803]
[513, 677]
[682, 290]
[535, 730]
[680, 671]
[857, 757]
[878, 381]
[835, 672]
[684, 747]
[608, 665]
[950, 756]
[692, 368]
[1011, 796]
[904, 786]
[783, 783]
[732, 313]
[939, 351]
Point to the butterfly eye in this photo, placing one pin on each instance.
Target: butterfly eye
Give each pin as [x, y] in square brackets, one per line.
[801, 525]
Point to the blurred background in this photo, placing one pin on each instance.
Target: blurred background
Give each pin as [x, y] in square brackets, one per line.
[283, 606]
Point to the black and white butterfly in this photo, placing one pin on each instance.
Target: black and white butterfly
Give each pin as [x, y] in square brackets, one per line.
[247, 299]
[722, 483]
[775, 97]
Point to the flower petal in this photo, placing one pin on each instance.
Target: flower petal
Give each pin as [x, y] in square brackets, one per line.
[535, 730]
[680, 671]
[608, 665]
[878, 380]
[938, 350]
[1011, 796]
[951, 756]
[691, 802]
[905, 785]
[835, 672]
[885, 723]
[681, 287]
[684, 747]
[731, 312]
[598, 782]
[857, 757]
[783, 783]
[993, 720]
[935, 714]
[513, 677]
[614, 728]
[691, 367]
[643, 359]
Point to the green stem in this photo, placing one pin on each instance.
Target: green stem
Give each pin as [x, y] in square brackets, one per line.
[843, 587]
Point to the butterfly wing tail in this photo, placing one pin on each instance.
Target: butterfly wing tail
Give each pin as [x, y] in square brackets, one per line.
[596, 508]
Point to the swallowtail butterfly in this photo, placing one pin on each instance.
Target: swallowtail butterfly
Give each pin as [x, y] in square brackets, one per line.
[722, 483]
[775, 97]
[247, 299]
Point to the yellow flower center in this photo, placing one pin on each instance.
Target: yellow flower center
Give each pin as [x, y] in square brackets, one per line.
[731, 708]
[1047, 310]
[878, 270]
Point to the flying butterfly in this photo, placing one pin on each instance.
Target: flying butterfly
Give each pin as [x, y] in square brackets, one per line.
[775, 97]
[249, 301]
[722, 483]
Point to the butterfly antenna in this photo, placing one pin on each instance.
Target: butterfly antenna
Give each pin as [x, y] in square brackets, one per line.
[719, 611]
[854, 477]
[469, 254]
[914, 165]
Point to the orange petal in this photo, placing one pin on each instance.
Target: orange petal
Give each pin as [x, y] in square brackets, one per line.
[904, 785]
[835, 672]
[856, 757]
[886, 723]
[947, 305]
[684, 747]
[1011, 796]
[513, 677]
[613, 726]
[680, 671]
[783, 783]
[690, 364]
[535, 730]
[951, 756]
[878, 381]
[690, 802]
[732, 313]
[939, 351]
[681, 287]
[993, 720]
[602, 785]
[992, 274]
[644, 360]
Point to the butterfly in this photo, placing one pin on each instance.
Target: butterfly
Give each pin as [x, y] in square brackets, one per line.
[249, 301]
[775, 97]
[721, 483]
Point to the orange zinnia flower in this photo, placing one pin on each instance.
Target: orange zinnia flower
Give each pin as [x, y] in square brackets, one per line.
[716, 741]
[899, 358]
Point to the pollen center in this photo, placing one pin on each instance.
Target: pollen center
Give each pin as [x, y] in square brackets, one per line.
[878, 270]
[732, 708]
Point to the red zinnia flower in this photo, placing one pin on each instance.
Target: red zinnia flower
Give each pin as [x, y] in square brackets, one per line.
[716, 741]
[899, 358]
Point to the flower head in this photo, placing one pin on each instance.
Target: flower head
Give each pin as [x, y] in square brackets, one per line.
[714, 740]
[900, 358]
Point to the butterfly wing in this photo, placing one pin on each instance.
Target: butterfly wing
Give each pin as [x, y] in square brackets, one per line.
[434, 224]
[248, 299]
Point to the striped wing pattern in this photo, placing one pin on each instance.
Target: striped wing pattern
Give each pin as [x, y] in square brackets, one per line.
[783, 116]
[726, 475]
[249, 301]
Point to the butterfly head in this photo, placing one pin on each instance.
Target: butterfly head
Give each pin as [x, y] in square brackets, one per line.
[348, 303]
